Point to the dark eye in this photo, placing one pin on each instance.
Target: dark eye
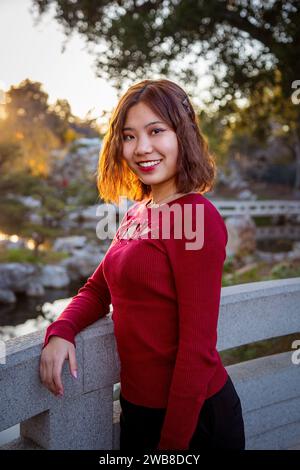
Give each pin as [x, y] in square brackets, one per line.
[128, 135]
[160, 130]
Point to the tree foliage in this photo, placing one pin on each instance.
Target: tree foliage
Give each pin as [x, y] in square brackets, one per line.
[244, 40]
[27, 126]
[31, 128]
[250, 45]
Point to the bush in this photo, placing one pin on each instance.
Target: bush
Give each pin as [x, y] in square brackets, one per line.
[284, 270]
[24, 255]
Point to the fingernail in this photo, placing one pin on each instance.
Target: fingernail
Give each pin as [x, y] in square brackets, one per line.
[74, 373]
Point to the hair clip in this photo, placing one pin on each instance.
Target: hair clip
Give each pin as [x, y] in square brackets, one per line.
[186, 105]
[185, 102]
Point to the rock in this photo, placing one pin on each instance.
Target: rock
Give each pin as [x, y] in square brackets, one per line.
[294, 254]
[81, 162]
[29, 201]
[82, 265]
[246, 269]
[35, 218]
[265, 256]
[89, 142]
[72, 200]
[90, 213]
[9, 244]
[241, 236]
[69, 244]
[35, 289]
[296, 247]
[7, 296]
[17, 276]
[247, 195]
[74, 215]
[249, 259]
[278, 257]
[54, 276]
[68, 224]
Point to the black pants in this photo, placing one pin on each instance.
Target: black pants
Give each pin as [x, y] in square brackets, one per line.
[220, 424]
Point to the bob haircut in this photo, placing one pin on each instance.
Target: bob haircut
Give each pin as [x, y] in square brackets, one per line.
[196, 166]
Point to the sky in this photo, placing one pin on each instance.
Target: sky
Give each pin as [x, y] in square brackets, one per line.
[34, 52]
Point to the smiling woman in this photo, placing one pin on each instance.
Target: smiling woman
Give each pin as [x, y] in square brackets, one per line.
[175, 392]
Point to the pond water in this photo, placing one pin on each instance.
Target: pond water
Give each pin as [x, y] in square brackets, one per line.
[31, 314]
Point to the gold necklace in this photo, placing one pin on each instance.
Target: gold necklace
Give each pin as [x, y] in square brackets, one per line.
[155, 205]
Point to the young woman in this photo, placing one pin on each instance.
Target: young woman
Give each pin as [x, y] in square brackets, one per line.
[165, 290]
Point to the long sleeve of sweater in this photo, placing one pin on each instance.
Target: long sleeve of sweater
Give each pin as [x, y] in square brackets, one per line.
[198, 277]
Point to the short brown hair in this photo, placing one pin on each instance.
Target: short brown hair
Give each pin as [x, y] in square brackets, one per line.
[196, 166]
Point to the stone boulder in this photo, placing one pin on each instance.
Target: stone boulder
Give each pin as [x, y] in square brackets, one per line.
[7, 296]
[35, 289]
[247, 195]
[82, 264]
[54, 276]
[69, 244]
[17, 276]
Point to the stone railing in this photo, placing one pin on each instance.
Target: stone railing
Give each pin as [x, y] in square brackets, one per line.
[87, 417]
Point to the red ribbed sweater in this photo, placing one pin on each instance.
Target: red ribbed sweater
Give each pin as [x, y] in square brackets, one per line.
[165, 301]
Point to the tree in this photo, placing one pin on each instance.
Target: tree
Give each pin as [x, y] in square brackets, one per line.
[246, 42]
[8, 152]
[266, 115]
[25, 124]
[59, 117]
[251, 38]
